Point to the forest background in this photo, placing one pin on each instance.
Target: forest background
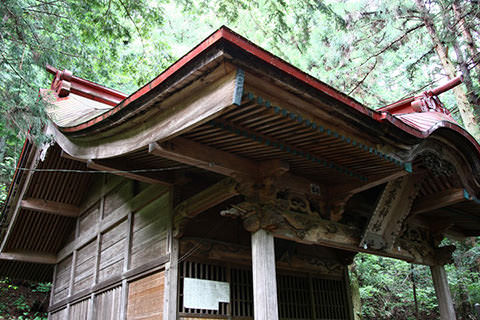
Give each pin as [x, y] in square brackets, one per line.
[376, 51]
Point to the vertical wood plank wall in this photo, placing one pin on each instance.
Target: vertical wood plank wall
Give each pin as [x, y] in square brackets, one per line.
[120, 236]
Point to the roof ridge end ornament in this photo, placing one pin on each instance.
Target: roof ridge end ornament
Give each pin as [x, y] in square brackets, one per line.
[426, 102]
[61, 84]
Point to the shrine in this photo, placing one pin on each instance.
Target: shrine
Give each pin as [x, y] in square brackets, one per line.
[232, 186]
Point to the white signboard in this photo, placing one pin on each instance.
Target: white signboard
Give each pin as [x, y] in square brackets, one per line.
[204, 294]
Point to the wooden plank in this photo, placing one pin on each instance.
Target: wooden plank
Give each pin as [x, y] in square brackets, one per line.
[442, 290]
[131, 205]
[27, 256]
[393, 207]
[146, 296]
[205, 157]
[438, 200]
[51, 207]
[264, 276]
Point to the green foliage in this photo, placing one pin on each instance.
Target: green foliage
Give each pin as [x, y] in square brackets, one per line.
[23, 300]
[386, 285]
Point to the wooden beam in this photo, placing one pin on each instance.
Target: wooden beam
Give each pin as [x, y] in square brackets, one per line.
[243, 169]
[444, 297]
[265, 304]
[26, 256]
[391, 210]
[96, 165]
[205, 157]
[438, 200]
[117, 169]
[308, 229]
[205, 199]
[51, 207]
[342, 191]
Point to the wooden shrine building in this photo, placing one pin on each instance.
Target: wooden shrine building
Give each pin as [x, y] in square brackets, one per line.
[232, 186]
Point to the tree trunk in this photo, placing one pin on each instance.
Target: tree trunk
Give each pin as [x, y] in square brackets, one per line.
[467, 34]
[466, 110]
[472, 97]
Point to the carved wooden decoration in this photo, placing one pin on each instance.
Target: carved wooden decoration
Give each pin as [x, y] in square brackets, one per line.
[392, 209]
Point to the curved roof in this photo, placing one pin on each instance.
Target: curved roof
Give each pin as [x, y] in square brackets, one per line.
[105, 114]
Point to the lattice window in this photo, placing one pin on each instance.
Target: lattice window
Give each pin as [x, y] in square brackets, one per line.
[294, 298]
[203, 271]
[330, 299]
[241, 287]
[300, 297]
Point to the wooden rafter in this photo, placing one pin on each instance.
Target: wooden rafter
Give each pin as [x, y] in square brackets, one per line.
[51, 207]
[438, 200]
[205, 157]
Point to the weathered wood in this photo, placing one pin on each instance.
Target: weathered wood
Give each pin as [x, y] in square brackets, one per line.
[107, 304]
[131, 205]
[438, 200]
[264, 276]
[315, 230]
[51, 207]
[145, 297]
[31, 163]
[171, 282]
[205, 199]
[392, 209]
[149, 232]
[205, 157]
[120, 171]
[26, 256]
[346, 191]
[187, 108]
[444, 297]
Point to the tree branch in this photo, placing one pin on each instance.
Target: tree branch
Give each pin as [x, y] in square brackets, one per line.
[418, 26]
[365, 77]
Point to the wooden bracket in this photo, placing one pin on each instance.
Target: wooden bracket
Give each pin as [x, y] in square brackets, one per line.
[392, 208]
[204, 200]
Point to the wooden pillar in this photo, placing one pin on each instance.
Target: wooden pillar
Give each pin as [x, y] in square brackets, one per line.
[264, 277]
[445, 303]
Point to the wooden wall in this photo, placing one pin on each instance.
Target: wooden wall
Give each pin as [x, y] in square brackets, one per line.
[145, 297]
[123, 233]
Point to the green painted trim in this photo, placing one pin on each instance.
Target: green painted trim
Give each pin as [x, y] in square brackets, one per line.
[329, 132]
[239, 85]
[408, 167]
